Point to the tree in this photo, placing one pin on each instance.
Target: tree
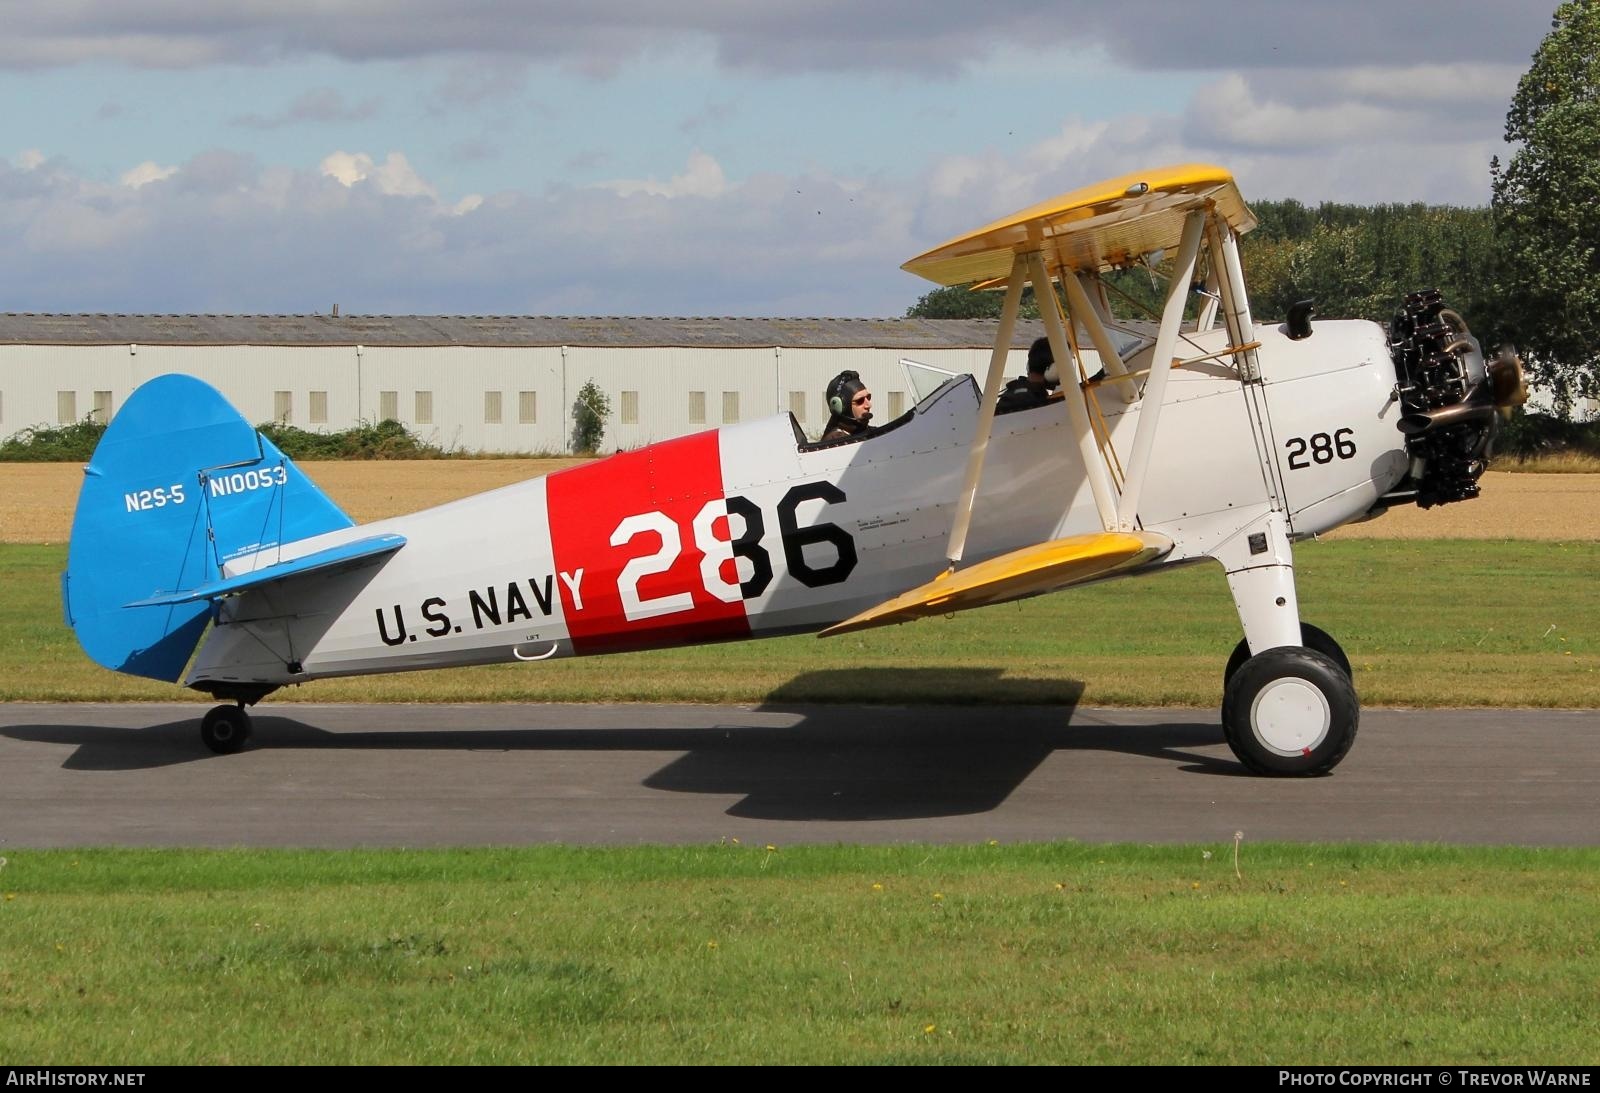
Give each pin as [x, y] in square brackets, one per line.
[960, 302]
[1357, 261]
[1352, 261]
[1547, 206]
[589, 412]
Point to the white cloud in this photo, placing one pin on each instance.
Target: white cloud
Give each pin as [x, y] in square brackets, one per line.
[1448, 84]
[702, 177]
[145, 173]
[965, 191]
[227, 234]
[394, 176]
[76, 232]
[1076, 139]
[1231, 112]
[954, 176]
[1338, 150]
[347, 169]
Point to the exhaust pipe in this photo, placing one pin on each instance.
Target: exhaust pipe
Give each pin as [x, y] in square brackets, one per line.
[1472, 411]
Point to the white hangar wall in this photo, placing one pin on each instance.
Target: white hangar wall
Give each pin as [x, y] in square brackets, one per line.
[494, 398]
[59, 384]
[52, 384]
[442, 394]
[661, 393]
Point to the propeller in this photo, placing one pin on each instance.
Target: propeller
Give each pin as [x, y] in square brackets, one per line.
[1503, 388]
[1508, 379]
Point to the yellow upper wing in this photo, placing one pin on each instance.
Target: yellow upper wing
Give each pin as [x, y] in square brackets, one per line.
[1041, 568]
[1108, 224]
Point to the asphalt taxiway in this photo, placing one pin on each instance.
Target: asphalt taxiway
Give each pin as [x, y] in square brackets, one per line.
[436, 775]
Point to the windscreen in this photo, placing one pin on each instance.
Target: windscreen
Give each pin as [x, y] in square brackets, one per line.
[925, 379]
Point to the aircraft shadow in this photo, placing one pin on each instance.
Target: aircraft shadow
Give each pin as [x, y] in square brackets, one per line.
[838, 762]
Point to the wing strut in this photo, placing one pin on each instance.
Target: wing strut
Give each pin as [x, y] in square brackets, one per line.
[986, 408]
[1084, 311]
[1235, 301]
[1094, 464]
[1144, 438]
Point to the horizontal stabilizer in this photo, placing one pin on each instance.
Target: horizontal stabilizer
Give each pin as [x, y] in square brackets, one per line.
[1026, 572]
[342, 555]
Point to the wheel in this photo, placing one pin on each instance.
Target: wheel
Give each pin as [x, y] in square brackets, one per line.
[1290, 711]
[1312, 637]
[224, 729]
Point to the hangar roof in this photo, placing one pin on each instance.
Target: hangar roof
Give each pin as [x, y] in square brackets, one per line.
[504, 331]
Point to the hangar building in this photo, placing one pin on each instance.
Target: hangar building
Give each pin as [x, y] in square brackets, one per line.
[482, 383]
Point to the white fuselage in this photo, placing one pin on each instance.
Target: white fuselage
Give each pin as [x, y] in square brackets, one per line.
[742, 531]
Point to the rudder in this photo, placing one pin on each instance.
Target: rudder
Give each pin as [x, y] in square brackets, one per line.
[179, 484]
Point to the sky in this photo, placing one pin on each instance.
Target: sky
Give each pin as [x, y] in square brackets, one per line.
[692, 157]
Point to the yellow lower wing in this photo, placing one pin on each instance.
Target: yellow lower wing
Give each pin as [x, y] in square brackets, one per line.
[1041, 568]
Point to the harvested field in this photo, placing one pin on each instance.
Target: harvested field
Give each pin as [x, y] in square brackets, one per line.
[36, 499]
[371, 490]
[1513, 506]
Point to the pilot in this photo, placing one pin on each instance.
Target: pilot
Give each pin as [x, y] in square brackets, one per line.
[1040, 358]
[1034, 388]
[849, 406]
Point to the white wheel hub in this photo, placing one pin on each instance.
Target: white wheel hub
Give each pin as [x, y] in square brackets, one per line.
[1291, 716]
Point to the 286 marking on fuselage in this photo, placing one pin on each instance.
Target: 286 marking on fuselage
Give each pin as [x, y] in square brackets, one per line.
[1321, 448]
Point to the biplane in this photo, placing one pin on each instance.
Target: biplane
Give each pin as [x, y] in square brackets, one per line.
[1197, 434]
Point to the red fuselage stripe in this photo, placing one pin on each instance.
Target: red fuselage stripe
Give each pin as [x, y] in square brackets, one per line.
[613, 520]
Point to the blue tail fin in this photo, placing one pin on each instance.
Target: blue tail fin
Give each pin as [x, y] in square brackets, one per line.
[179, 484]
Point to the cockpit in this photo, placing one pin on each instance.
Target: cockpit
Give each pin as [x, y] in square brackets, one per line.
[931, 385]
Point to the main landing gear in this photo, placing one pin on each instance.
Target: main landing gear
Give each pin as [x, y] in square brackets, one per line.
[1291, 710]
[224, 729]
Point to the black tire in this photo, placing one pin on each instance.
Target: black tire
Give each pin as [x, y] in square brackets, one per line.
[1312, 637]
[1290, 711]
[224, 729]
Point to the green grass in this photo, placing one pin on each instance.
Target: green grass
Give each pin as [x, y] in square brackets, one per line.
[1058, 953]
[1425, 623]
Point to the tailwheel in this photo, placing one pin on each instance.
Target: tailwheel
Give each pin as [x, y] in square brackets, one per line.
[1312, 637]
[224, 729]
[1290, 711]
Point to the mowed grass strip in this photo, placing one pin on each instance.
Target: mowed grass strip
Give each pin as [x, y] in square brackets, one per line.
[1058, 953]
[1425, 623]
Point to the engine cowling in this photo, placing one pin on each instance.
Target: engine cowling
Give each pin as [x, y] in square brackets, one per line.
[1450, 398]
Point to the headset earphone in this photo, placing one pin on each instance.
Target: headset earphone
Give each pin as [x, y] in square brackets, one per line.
[836, 391]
